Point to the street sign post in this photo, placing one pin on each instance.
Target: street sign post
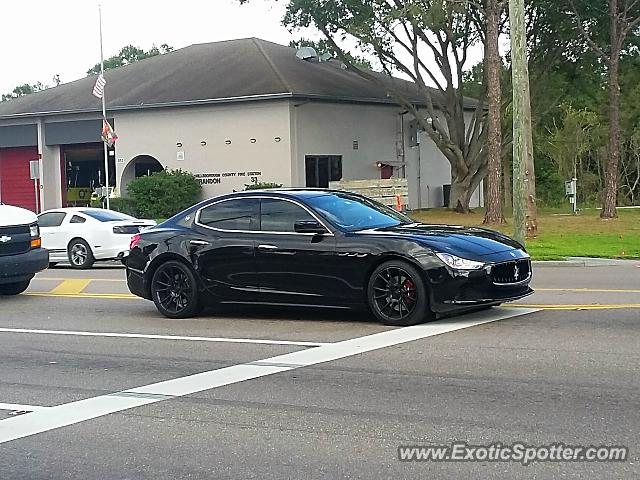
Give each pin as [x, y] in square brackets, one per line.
[34, 172]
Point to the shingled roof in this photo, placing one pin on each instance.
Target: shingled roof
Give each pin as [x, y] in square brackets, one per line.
[229, 71]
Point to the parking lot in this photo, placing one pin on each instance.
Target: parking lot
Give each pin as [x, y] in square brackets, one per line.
[96, 384]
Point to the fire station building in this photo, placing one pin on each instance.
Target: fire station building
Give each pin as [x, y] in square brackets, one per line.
[232, 113]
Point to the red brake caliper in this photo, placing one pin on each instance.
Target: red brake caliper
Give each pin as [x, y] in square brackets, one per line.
[410, 291]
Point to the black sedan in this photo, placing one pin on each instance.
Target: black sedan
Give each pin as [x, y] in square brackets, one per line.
[322, 248]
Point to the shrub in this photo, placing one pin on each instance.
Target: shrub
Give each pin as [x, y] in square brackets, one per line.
[262, 186]
[123, 205]
[165, 193]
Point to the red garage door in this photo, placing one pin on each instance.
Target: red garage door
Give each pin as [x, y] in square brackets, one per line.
[16, 186]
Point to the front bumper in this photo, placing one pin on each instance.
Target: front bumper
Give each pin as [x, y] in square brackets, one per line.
[454, 290]
[21, 267]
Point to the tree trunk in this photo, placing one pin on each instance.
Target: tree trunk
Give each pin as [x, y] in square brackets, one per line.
[609, 199]
[506, 175]
[460, 195]
[493, 200]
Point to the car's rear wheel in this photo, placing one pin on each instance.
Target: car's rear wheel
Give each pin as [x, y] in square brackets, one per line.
[14, 288]
[174, 290]
[397, 295]
[80, 254]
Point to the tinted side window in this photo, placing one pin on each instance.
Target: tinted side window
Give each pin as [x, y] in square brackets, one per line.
[280, 215]
[51, 219]
[240, 214]
[77, 219]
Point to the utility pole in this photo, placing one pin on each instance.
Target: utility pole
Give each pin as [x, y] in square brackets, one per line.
[525, 217]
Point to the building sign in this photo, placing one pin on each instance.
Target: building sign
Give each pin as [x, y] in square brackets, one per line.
[220, 178]
[34, 169]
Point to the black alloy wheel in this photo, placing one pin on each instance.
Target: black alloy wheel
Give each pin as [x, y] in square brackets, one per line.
[80, 254]
[174, 290]
[397, 295]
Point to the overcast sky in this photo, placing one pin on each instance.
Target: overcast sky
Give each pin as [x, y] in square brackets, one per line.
[42, 38]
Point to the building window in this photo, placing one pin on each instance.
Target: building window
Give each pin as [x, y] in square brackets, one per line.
[322, 169]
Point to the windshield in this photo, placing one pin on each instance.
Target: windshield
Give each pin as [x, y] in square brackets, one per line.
[352, 212]
[106, 215]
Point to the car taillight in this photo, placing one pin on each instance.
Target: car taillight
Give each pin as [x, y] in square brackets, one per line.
[127, 229]
[134, 241]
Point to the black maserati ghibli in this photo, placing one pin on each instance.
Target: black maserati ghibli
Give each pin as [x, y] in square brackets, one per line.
[322, 248]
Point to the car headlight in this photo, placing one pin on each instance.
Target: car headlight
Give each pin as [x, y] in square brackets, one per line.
[34, 230]
[459, 263]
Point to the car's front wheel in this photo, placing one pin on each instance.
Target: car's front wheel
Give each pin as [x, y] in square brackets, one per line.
[174, 290]
[14, 288]
[80, 254]
[397, 295]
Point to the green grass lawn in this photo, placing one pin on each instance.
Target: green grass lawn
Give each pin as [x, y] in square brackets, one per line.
[562, 235]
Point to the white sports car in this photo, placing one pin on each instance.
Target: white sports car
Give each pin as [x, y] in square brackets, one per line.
[82, 236]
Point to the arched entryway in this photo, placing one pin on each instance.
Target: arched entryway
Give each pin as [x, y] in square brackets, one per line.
[139, 166]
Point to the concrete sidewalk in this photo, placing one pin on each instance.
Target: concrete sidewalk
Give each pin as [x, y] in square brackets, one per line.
[586, 262]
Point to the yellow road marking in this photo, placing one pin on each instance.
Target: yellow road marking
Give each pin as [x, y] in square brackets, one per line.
[575, 307]
[71, 287]
[110, 296]
[593, 290]
[62, 279]
[126, 296]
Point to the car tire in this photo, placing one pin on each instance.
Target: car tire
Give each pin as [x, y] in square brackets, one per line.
[80, 254]
[397, 294]
[174, 290]
[14, 288]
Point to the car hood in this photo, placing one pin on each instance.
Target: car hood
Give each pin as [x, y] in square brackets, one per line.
[12, 216]
[466, 242]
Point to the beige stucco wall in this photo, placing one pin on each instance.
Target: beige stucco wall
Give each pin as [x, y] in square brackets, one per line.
[330, 129]
[223, 167]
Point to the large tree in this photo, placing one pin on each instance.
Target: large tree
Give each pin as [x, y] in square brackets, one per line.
[129, 54]
[609, 36]
[489, 20]
[427, 41]
[22, 90]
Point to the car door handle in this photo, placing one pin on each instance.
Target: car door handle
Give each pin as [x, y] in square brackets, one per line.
[199, 243]
[267, 247]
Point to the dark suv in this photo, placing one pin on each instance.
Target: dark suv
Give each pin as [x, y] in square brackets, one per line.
[21, 252]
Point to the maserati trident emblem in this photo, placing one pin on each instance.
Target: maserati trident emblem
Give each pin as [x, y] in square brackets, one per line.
[516, 271]
[5, 239]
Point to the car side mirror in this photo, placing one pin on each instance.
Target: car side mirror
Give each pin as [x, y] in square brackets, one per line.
[309, 226]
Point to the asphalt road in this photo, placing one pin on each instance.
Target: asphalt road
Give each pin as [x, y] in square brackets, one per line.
[112, 389]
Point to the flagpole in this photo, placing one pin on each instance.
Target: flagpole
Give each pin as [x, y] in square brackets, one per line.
[104, 112]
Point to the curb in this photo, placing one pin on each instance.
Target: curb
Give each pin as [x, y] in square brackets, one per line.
[585, 262]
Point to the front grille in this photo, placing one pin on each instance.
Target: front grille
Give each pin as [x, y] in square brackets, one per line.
[17, 230]
[14, 248]
[14, 240]
[511, 272]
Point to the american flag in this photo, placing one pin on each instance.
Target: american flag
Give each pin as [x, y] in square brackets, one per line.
[98, 88]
